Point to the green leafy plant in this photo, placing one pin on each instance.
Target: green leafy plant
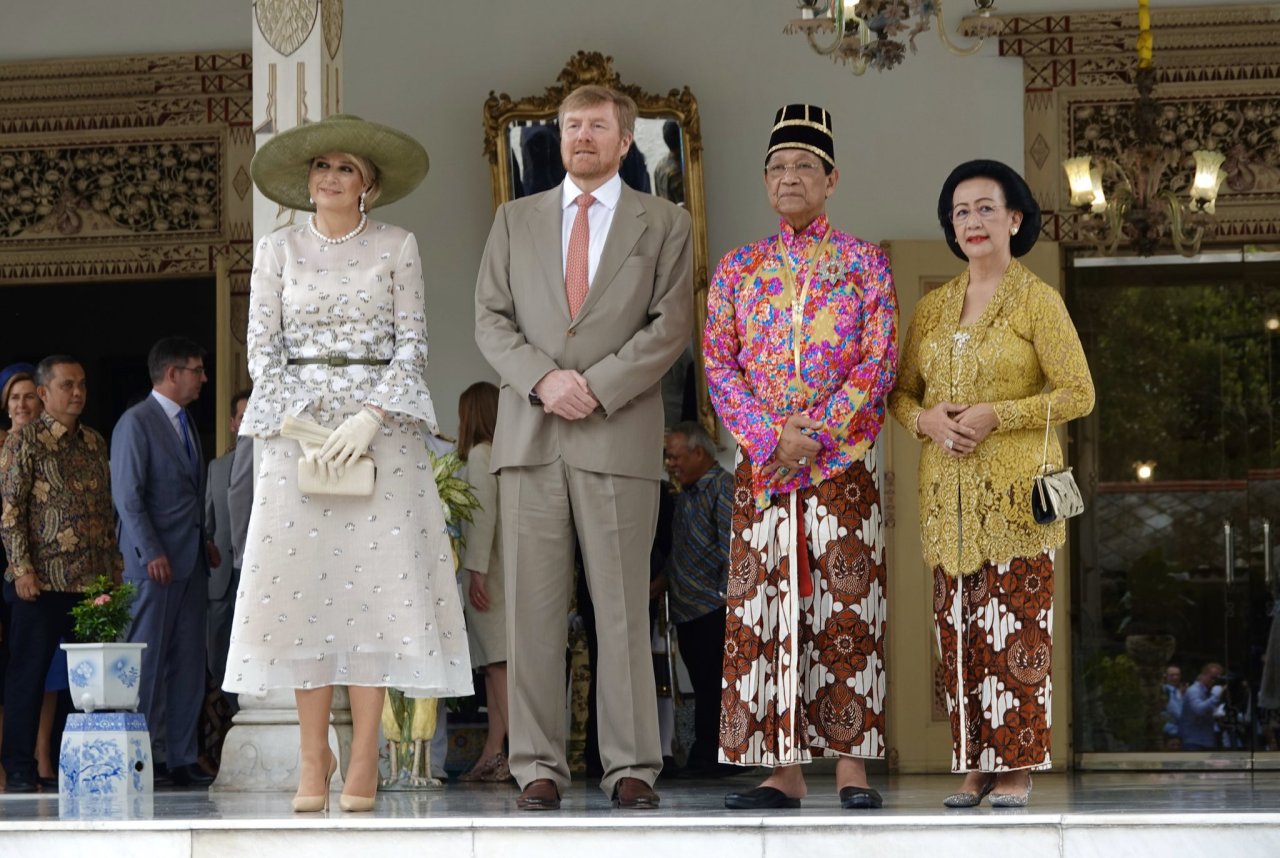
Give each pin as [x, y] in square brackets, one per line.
[103, 614]
[456, 497]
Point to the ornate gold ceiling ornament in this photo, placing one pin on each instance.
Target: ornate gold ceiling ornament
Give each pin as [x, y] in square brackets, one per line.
[286, 24]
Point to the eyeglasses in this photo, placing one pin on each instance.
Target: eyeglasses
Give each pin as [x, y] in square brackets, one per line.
[198, 370]
[986, 211]
[802, 169]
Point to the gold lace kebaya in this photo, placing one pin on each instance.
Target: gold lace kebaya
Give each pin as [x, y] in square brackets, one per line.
[977, 509]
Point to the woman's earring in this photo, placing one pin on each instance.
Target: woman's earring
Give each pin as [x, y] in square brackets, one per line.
[1013, 231]
[362, 193]
[311, 200]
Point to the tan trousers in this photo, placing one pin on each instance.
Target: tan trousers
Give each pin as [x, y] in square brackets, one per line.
[613, 519]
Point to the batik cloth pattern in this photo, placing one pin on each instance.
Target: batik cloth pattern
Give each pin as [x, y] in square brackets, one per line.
[804, 676]
[848, 356]
[994, 636]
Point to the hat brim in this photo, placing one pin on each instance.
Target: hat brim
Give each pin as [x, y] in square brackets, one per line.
[1017, 195]
[280, 167]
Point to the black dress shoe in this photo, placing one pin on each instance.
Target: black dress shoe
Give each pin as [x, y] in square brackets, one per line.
[48, 783]
[760, 798]
[860, 798]
[18, 782]
[190, 775]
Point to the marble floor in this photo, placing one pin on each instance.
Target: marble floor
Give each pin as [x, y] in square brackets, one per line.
[1096, 814]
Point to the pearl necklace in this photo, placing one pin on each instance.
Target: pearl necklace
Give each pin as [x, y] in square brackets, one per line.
[311, 225]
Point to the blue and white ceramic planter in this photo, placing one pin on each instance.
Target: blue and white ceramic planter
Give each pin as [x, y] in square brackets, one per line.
[104, 675]
[105, 755]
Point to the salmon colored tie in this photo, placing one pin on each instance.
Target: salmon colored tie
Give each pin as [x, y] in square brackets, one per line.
[575, 268]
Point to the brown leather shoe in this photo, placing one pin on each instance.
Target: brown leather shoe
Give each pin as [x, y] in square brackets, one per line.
[540, 794]
[634, 794]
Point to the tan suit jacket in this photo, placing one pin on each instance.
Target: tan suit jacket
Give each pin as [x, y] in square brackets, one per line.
[637, 319]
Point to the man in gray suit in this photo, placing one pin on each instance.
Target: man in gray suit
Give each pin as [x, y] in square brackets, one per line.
[157, 483]
[225, 577]
[583, 301]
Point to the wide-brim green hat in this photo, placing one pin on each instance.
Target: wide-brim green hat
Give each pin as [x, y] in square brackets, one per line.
[280, 167]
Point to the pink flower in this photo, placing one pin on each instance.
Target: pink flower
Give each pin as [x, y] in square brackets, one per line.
[102, 600]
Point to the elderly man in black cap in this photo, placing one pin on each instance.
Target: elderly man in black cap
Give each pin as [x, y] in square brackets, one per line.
[800, 354]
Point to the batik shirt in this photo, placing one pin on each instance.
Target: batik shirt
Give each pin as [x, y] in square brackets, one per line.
[57, 519]
[847, 348]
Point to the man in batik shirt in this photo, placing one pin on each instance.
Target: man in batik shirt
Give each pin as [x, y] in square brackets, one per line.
[800, 353]
[58, 528]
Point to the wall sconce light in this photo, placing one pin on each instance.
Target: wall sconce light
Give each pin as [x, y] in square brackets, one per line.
[1144, 471]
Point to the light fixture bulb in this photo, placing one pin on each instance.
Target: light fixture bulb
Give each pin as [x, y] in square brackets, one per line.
[1082, 190]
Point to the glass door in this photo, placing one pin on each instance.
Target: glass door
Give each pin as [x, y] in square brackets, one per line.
[1173, 590]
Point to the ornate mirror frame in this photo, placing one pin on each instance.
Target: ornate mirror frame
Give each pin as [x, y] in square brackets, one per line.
[501, 111]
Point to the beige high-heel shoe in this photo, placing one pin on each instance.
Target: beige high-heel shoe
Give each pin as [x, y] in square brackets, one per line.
[314, 803]
[356, 803]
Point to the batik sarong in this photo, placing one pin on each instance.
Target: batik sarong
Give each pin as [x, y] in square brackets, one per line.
[994, 638]
[804, 639]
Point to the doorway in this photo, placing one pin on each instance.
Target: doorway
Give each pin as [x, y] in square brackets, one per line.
[1177, 650]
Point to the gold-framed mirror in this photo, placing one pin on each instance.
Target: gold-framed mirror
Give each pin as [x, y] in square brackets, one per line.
[522, 143]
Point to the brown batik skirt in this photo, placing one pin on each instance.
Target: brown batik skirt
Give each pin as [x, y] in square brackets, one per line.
[804, 659]
[994, 637]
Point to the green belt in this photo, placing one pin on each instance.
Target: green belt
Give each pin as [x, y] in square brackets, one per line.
[338, 360]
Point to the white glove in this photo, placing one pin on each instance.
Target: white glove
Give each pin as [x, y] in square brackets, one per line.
[351, 440]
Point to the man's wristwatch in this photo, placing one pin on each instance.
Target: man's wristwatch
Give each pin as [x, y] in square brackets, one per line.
[535, 399]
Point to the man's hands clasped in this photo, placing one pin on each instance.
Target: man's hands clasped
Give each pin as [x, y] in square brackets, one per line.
[565, 393]
[797, 448]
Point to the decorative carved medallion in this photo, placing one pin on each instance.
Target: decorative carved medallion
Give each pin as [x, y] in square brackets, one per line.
[331, 21]
[285, 24]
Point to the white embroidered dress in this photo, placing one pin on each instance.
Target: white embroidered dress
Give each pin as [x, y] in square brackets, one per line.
[339, 590]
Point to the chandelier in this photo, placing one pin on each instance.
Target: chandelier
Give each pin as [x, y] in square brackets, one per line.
[870, 33]
[1141, 207]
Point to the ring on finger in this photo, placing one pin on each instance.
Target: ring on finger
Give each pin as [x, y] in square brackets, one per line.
[949, 444]
[784, 470]
[802, 461]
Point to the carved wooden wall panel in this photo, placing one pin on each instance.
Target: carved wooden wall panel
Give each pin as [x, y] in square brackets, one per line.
[1218, 71]
[127, 168]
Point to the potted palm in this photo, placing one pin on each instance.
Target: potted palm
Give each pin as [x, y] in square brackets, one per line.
[103, 670]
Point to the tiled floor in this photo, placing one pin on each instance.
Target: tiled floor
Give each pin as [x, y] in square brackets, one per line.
[1088, 815]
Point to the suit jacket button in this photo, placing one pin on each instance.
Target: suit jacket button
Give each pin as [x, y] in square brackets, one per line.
[572, 332]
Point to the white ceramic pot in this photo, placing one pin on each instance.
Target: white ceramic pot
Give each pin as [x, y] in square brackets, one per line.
[104, 675]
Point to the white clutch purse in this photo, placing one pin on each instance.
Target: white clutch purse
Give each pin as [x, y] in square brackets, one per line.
[357, 479]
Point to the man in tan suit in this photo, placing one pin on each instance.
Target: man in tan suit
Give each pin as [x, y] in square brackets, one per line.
[584, 300]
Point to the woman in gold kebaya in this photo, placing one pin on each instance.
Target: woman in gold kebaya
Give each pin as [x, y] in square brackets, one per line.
[988, 359]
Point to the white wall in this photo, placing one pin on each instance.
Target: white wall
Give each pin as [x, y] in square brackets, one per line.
[428, 65]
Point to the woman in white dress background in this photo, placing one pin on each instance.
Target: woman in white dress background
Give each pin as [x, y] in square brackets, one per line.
[341, 590]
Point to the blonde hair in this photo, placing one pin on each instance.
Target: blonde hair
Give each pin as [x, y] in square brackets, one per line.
[591, 95]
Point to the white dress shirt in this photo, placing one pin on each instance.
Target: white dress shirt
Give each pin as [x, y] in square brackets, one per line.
[599, 219]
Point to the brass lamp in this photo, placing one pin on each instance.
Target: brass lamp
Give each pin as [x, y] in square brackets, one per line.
[1140, 208]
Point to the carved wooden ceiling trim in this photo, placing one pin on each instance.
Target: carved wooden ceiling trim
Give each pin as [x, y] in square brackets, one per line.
[1218, 72]
[126, 168]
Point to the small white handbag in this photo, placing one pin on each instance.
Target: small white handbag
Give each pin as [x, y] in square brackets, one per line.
[357, 478]
[1054, 493]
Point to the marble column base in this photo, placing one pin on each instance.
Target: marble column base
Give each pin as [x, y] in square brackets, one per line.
[261, 751]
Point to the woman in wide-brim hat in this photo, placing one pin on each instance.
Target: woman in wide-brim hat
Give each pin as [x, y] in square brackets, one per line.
[335, 589]
[985, 357]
